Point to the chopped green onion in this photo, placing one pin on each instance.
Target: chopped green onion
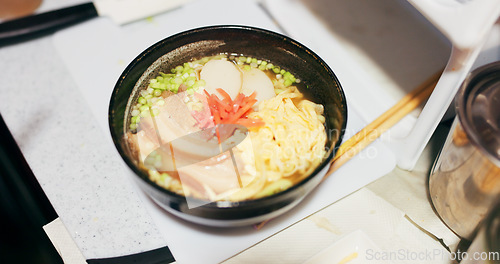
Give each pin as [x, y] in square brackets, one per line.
[135, 119]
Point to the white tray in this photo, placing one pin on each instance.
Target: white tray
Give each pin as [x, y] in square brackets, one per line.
[96, 53]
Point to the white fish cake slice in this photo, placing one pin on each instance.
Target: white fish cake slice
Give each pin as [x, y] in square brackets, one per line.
[257, 80]
[221, 74]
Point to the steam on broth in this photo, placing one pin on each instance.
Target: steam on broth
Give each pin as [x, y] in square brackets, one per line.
[227, 127]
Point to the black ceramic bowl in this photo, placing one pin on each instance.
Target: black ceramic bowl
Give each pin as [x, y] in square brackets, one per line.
[323, 88]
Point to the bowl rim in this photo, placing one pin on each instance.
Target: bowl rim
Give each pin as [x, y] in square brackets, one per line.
[224, 204]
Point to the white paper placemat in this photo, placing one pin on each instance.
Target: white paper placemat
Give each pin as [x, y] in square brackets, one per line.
[96, 53]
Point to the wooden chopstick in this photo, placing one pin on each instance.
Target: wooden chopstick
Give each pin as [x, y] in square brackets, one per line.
[383, 123]
[375, 129]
